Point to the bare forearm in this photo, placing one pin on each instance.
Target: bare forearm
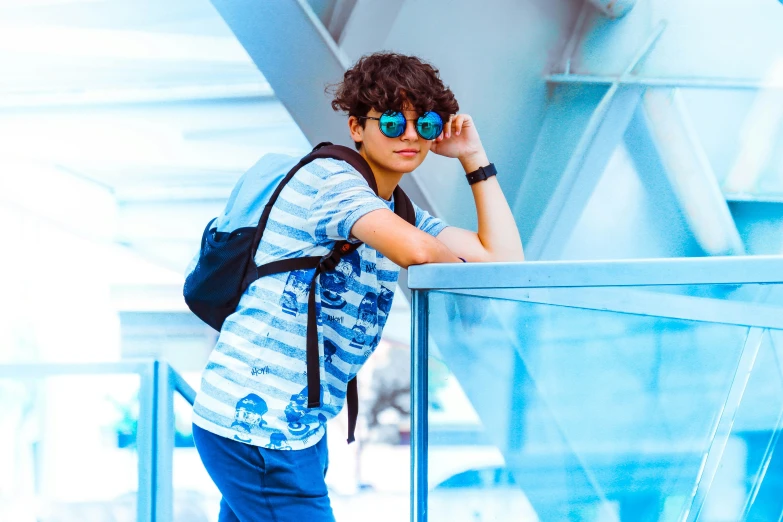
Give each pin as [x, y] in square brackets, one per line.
[497, 229]
[434, 251]
[404, 244]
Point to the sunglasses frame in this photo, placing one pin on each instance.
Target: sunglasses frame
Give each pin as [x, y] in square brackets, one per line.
[416, 126]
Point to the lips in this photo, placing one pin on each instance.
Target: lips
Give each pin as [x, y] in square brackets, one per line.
[408, 153]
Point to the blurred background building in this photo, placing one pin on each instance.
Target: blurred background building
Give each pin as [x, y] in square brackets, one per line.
[624, 129]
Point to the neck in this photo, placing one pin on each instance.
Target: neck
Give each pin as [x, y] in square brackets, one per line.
[386, 180]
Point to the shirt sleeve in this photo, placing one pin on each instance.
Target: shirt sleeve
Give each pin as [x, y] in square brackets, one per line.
[428, 223]
[341, 201]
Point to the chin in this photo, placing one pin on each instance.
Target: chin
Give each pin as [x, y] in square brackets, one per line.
[406, 164]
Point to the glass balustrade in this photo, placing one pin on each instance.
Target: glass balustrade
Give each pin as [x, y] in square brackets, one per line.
[91, 442]
[598, 392]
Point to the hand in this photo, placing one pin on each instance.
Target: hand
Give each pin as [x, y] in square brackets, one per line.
[461, 140]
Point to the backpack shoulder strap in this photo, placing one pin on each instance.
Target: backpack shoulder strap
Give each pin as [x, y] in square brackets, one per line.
[403, 206]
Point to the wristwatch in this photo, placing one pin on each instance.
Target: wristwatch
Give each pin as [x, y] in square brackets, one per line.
[481, 174]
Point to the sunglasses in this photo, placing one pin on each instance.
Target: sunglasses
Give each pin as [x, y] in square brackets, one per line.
[392, 124]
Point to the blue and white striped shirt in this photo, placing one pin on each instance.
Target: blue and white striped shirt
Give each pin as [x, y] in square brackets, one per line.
[254, 387]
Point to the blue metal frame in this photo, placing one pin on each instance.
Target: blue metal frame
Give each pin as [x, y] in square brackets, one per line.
[505, 280]
[419, 402]
[556, 274]
[155, 432]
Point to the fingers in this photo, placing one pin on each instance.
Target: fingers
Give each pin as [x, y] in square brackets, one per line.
[461, 119]
[447, 128]
[455, 124]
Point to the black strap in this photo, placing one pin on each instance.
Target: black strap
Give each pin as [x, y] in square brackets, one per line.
[352, 400]
[284, 265]
[403, 206]
[326, 263]
[313, 355]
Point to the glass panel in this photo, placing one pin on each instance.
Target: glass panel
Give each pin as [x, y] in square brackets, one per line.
[68, 448]
[605, 404]
[747, 483]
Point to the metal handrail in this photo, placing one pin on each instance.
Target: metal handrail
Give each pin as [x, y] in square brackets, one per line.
[642, 272]
[155, 429]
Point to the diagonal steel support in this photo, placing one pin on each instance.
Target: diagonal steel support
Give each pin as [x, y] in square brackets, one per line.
[665, 123]
[298, 57]
[582, 173]
[595, 144]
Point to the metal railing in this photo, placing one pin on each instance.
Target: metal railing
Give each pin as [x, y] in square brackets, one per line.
[593, 285]
[155, 432]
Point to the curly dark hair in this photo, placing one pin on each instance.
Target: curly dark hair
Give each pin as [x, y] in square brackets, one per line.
[385, 81]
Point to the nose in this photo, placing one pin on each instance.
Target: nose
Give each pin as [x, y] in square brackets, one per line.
[410, 131]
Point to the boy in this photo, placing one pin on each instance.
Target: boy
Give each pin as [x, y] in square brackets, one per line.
[261, 444]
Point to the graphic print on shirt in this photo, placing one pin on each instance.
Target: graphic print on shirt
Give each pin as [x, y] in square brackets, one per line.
[335, 282]
[278, 441]
[384, 303]
[296, 413]
[248, 417]
[366, 321]
[296, 287]
[329, 350]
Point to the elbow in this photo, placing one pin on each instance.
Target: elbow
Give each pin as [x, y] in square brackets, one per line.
[418, 258]
[419, 253]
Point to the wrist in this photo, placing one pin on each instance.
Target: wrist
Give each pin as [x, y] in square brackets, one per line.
[471, 162]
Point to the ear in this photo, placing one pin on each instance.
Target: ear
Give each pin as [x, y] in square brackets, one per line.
[356, 129]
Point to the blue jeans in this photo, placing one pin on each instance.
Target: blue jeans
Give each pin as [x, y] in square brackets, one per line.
[260, 484]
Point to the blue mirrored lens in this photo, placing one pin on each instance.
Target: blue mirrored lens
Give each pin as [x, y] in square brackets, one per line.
[392, 124]
[429, 125]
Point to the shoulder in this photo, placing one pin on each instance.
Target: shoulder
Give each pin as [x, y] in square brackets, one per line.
[328, 168]
[338, 179]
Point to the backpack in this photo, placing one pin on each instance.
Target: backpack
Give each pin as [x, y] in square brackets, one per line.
[226, 265]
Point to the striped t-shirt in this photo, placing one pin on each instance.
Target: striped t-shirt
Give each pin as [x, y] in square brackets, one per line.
[254, 387]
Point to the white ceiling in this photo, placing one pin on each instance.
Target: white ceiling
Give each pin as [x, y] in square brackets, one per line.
[156, 102]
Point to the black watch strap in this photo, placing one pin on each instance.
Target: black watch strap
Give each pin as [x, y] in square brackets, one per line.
[481, 174]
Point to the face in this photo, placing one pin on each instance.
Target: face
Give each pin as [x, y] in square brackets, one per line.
[390, 155]
[247, 417]
[297, 286]
[335, 280]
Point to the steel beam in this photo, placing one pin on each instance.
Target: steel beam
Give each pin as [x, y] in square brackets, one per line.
[666, 82]
[600, 138]
[597, 139]
[689, 172]
[566, 119]
[297, 56]
[760, 134]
